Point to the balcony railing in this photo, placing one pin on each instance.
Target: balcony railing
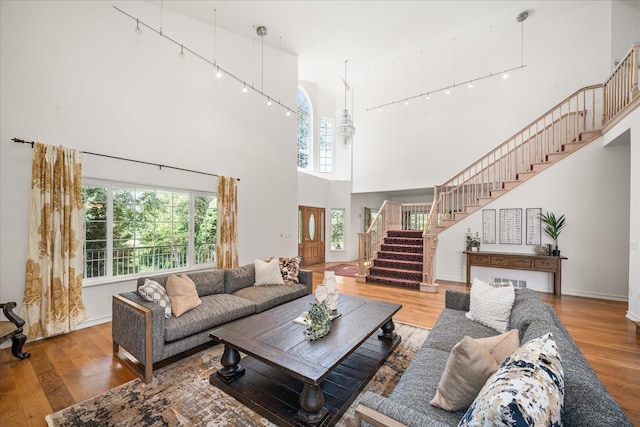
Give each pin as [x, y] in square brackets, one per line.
[145, 259]
[621, 88]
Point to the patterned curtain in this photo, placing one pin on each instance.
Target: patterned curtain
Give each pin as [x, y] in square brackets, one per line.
[227, 249]
[53, 287]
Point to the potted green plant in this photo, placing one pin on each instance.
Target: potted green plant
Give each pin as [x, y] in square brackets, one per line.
[553, 227]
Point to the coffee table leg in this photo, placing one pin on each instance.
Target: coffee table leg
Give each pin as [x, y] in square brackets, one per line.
[387, 331]
[231, 368]
[312, 409]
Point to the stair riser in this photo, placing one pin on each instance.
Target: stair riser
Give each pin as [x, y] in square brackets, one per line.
[405, 233]
[403, 256]
[388, 282]
[397, 264]
[401, 248]
[403, 241]
[396, 274]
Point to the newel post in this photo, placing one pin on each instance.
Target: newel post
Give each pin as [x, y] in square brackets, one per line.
[364, 245]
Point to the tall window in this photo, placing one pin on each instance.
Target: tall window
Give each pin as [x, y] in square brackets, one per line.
[326, 145]
[151, 229]
[337, 229]
[304, 130]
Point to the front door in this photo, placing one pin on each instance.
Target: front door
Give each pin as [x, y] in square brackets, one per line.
[311, 235]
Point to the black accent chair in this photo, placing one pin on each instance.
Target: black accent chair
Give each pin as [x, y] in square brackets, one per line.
[13, 330]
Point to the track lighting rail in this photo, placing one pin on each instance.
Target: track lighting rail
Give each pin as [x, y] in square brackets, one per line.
[270, 99]
[427, 94]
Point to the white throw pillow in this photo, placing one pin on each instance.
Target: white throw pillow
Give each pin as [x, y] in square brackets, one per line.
[268, 272]
[491, 305]
[155, 292]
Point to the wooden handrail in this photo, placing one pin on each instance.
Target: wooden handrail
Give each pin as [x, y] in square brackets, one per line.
[545, 135]
[621, 88]
[541, 117]
[615, 70]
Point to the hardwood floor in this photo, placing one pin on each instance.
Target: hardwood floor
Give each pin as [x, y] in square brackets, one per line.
[67, 369]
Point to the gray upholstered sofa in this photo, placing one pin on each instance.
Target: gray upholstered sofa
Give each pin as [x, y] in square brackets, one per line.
[140, 328]
[586, 401]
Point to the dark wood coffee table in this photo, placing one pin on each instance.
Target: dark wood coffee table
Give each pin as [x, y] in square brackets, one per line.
[296, 382]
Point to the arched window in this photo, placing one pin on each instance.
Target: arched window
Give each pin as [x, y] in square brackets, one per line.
[305, 130]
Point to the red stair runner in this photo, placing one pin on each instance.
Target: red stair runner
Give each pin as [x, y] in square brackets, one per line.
[399, 262]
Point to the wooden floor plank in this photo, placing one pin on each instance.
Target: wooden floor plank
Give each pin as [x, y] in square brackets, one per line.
[609, 341]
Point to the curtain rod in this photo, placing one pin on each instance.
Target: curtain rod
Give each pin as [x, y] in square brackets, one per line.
[22, 141]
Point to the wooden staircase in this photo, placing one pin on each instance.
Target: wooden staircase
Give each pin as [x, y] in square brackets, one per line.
[504, 187]
[389, 256]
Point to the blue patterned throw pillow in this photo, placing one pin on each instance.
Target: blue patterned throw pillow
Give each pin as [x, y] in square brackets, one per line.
[527, 389]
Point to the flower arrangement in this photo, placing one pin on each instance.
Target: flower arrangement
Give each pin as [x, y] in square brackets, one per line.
[318, 320]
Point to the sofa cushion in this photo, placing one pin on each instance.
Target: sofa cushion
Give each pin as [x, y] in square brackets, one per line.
[527, 306]
[491, 305]
[451, 327]
[528, 389]
[268, 272]
[586, 402]
[214, 311]
[266, 297]
[420, 381]
[155, 292]
[239, 277]
[470, 364]
[208, 282]
[182, 293]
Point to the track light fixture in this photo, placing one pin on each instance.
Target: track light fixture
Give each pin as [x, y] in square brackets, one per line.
[447, 89]
[219, 70]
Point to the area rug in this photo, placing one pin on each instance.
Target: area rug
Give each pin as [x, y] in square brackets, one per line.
[180, 394]
[346, 270]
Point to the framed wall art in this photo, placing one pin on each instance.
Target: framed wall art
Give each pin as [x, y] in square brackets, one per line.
[511, 226]
[534, 226]
[489, 226]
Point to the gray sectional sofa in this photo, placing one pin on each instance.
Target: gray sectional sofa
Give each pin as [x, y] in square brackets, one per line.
[586, 401]
[140, 328]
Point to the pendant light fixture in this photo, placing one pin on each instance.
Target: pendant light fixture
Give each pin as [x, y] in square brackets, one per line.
[347, 131]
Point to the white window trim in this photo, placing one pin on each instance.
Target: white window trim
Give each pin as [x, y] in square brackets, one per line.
[109, 277]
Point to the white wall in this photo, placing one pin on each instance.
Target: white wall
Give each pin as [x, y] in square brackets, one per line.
[328, 194]
[627, 134]
[591, 188]
[76, 74]
[625, 29]
[426, 142]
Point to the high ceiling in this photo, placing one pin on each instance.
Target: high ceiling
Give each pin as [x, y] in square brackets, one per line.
[325, 33]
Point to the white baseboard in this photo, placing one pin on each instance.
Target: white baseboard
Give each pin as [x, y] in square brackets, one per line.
[94, 321]
[595, 295]
[82, 325]
[633, 317]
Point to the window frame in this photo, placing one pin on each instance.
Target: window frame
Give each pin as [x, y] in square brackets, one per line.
[331, 149]
[109, 277]
[344, 216]
[310, 131]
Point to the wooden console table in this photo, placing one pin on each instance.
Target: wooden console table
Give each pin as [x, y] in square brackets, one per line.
[511, 261]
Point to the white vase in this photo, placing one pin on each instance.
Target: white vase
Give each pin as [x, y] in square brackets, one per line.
[331, 287]
[321, 293]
